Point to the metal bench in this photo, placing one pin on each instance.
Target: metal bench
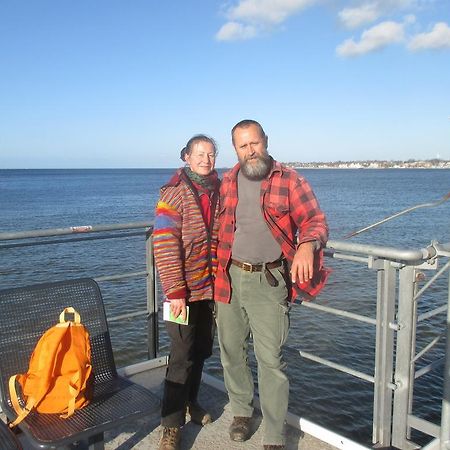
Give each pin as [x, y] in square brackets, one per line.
[25, 314]
[7, 439]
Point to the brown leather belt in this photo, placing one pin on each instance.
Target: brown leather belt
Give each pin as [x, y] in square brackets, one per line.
[257, 267]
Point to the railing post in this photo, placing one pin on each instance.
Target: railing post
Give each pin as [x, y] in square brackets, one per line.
[384, 355]
[445, 418]
[152, 298]
[412, 362]
[403, 378]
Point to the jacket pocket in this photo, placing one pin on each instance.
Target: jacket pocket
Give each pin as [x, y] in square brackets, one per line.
[279, 216]
[276, 210]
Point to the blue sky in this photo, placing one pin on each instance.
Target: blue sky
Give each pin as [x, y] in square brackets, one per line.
[125, 83]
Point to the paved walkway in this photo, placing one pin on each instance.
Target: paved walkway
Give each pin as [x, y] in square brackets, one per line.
[144, 433]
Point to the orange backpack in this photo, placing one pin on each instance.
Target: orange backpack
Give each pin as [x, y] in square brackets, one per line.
[59, 378]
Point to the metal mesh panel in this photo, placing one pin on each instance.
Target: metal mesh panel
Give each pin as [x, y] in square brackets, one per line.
[114, 401]
[25, 314]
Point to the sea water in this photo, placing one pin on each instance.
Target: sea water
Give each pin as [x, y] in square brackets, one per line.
[351, 199]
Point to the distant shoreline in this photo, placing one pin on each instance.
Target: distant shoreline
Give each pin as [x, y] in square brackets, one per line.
[362, 168]
[365, 164]
[374, 164]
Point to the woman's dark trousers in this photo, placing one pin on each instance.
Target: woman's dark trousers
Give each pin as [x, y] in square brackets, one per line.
[190, 345]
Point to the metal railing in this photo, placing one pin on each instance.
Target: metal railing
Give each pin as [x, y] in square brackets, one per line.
[398, 275]
[12, 240]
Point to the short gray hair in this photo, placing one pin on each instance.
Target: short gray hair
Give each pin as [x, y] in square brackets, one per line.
[245, 124]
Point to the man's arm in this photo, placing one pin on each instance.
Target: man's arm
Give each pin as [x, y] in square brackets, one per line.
[312, 230]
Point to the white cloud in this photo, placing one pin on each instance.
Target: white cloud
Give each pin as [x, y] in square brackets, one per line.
[410, 19]
[365, 12]
[267, 11]
[355, 17]
[233, 31]
[438, 37]
[373, 39]
[249, 18]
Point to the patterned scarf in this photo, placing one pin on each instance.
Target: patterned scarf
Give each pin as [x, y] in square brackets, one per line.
[209, 182]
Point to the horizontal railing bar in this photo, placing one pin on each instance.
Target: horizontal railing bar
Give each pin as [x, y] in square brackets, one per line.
[435, 276]
[339, 312]
[72, 230]
[67, 240]
[127, 316]
[383, 252]
[336, 366]
[427, 348]
[429, 367]
[432, 313]
[442, 248]
[122, 276]
[435, 444]
[424, 426]
[347, 257]
[351, 247]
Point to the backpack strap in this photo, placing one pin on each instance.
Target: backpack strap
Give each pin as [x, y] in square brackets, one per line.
[69, 309]
[73, 392]
[21, 412]
[75, 377]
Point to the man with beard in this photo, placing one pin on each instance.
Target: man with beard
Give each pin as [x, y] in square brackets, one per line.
[270, 236]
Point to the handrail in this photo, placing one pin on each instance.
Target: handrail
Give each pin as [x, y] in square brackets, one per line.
[72, 230]
[382, 252]
[79, 237]
[371, 250]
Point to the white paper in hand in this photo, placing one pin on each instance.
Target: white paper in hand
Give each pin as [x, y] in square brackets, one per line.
[168, 315]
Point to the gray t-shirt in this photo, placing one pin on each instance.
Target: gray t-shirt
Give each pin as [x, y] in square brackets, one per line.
[253, 240]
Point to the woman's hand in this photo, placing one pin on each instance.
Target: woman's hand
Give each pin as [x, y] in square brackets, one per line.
[178, 306]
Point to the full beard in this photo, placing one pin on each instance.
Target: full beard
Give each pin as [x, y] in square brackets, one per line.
[257, 168]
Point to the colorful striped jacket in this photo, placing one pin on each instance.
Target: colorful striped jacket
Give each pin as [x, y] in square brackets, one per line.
[185, 248]
[292, 213]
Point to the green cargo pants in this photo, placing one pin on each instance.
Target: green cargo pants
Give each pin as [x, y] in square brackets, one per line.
[262, 310]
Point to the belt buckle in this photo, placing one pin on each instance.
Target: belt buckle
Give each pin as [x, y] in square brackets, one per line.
[247, 267]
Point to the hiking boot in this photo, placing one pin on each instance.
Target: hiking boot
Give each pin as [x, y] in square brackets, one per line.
[198, 414]
[240, 429]
[170, 438]
[273, 447]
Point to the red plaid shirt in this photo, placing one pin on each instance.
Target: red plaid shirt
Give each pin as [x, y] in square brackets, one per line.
[292, 213]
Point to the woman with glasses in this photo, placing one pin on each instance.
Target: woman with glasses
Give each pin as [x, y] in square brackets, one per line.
[185, 243]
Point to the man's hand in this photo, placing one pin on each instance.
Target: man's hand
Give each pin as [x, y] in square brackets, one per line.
[178, 306]
[302, 264]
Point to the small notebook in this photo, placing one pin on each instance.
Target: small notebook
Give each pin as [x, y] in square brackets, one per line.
[168, 315]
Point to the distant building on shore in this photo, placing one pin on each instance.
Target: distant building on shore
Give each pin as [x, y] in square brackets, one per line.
[373, 164]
